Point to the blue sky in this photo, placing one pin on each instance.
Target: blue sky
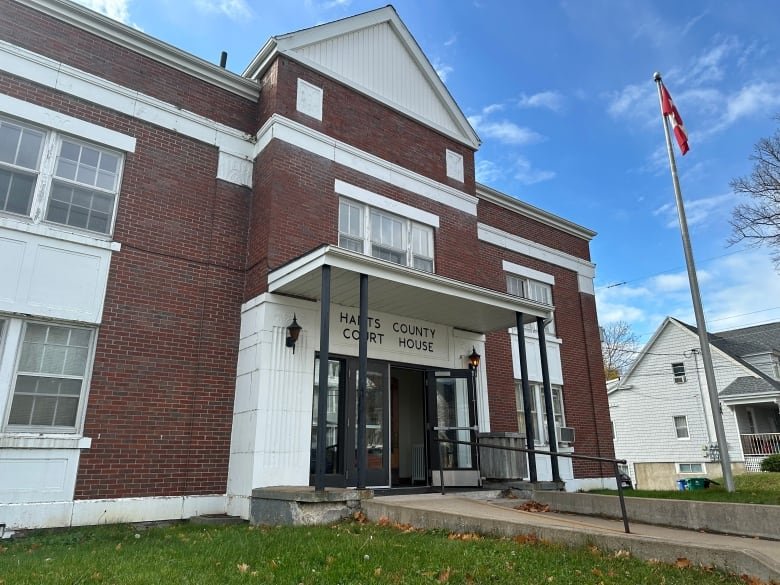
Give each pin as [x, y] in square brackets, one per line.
[562, 96]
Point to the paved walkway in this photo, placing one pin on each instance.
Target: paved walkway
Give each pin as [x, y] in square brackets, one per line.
[495, 515]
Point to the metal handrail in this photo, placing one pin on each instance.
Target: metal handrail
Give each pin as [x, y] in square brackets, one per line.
[615, 463]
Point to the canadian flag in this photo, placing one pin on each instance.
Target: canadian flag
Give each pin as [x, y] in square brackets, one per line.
[669, 109]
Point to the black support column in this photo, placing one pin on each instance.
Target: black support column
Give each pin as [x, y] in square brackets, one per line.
[527, 400]
[322, 396]
[362, 460]
[548, 402]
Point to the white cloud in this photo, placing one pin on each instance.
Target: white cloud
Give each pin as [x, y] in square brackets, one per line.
[451, 41]
[116, 9]
[442, 69]
[504, 131]
[233, 9]
[551, 100]
[697, 211]
[527, 175]
[487, 172]
[710, 66]
[626, 102]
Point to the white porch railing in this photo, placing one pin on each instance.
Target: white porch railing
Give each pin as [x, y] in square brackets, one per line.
[761, 443]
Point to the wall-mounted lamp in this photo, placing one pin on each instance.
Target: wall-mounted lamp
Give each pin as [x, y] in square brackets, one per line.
[293, 331]
[474, 358]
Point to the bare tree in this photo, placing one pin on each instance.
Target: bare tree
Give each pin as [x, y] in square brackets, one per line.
[619, 346]
[758, 221]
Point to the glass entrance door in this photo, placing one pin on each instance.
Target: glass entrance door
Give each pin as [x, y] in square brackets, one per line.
[341, 455]
[452, 417]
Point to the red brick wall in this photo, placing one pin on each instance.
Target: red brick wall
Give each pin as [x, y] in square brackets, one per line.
[364, 123]
[295, 209]
[28, 28]
[161, 396]
[530, 229]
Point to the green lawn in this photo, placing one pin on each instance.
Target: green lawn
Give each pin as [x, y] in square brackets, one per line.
[347, 553]
[749, 488]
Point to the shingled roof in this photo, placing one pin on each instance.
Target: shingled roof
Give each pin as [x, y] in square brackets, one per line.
[738, 343]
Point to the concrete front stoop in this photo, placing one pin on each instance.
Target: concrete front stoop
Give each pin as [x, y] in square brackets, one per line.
[303, 506]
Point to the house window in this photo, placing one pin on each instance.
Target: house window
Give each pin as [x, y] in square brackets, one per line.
[383, 235]
[681, 427]
[77, 186]
[678, 370]
[776, 368]
[50, 378]
[533, 290]
[691, 468]
[538, 410]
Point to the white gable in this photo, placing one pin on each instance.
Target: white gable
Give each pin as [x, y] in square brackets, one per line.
[375, 53]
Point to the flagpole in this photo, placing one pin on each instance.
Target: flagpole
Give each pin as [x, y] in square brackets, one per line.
[701, 326]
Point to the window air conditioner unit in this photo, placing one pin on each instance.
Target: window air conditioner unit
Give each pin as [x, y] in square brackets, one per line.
[566, 435]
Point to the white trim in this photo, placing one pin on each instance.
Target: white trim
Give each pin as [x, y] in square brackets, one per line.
[110, 511]
[586, 271]
[65, 124]
[58, 233]
[143, 44]
[22, 440]
[518, 270]
[385, 203]
[106, 94]
[280, 128]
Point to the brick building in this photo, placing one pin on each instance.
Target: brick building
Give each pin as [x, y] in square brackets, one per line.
[163, 221]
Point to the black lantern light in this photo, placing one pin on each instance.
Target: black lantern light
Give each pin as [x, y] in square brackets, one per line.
[293, 331]
[474, 358]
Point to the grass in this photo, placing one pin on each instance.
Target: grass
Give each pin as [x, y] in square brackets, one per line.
[749, 488]
[346, 553]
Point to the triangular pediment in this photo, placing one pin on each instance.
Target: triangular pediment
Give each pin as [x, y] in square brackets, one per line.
[375, 53]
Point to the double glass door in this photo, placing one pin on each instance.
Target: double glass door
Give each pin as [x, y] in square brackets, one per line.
[341, 449]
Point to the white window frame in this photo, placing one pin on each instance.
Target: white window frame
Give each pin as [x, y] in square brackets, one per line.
[538, 410]
[678, 371]
[11, 372]
[47, 178]
[534, 290]
[677, 428]
[702, 468]
[409, 228]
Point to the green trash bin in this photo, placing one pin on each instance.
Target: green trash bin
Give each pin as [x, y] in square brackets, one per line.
[698, 483]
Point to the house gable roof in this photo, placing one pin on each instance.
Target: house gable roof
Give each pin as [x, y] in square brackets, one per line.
[375, 54]
[730, 344]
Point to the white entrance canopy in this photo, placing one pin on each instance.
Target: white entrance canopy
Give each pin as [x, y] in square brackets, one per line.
[403, 291]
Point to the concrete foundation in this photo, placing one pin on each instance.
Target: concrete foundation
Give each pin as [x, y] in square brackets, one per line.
[302, 506]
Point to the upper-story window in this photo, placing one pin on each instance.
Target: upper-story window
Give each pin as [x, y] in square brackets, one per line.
[367, 230]
[533, 290]
[45, 175]
[678, 371]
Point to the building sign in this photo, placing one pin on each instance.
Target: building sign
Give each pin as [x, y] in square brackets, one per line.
[417, 341]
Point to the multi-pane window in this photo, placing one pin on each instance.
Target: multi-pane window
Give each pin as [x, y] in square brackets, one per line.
[678, 370]
[383, 235]
[20, 154]
[50, 377]
[681, 427]
[76, 186]
[538, 409]
[532, 290]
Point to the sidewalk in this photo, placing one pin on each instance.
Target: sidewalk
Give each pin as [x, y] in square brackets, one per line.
[495, 515]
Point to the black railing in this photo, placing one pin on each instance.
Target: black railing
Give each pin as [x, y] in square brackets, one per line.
[614, 462]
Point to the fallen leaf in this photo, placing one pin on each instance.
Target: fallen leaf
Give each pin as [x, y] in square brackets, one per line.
[383, 521]
[533, 507]
[118, 547]
[596, 571]
[377, 571]
[242, 567]
[360, 517]
[444, 576]
[682, 563]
